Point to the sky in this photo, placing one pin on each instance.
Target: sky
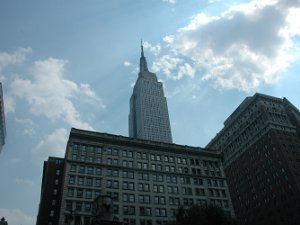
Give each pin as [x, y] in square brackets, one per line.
[73, 63]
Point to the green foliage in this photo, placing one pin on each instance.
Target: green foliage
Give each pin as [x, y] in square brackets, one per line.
[202, 215]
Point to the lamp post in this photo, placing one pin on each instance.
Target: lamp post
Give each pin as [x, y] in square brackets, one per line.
[102, 211]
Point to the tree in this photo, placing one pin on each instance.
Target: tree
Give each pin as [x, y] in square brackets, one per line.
[202, 215]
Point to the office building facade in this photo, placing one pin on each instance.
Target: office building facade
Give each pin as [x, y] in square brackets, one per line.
[51, 191]
[260, 144]
[148, 116]
[147, 180]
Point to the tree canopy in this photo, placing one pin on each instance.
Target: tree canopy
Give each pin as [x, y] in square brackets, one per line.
[202, 215]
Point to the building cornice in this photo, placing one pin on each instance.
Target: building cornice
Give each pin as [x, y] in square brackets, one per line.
[145, 144]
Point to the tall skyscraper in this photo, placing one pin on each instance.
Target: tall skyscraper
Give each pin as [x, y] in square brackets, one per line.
[149, 117]
[260, 143]
[2, 120]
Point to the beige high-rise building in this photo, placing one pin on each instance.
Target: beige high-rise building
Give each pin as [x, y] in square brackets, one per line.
[149, 116]
[147, 180]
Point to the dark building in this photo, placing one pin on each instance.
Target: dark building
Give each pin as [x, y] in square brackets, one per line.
[2, 120]
[260, 143]
[147, 180]
[51, 191]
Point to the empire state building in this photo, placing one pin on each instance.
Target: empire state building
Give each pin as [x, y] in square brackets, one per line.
[149, 117]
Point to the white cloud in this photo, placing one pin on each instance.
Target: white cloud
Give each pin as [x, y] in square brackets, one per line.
[29, 126]
[53, 145]
[50, 95]
[198, 20]
[88, 95]
[170, 1]
[17, 217]
[166, 64]
[9, 104]
[127, 63]
[293, 19]
[186, 69]
[16, 57]
[155, 49]
[133, 67]
[168, 39]
[22, 182]
[246, 46]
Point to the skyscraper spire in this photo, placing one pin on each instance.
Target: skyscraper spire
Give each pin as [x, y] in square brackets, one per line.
[143, 62]
[142, 49]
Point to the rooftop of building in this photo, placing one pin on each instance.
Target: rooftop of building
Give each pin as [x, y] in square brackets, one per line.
[134, 142]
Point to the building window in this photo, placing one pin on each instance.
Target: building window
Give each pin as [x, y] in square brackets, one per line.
[78, 206]
[128, 185]
[144, 155]
[115, 162]
[139, 165]
[167, 168]
[98, 182]
[108, 183]
[115, 184]
[81, 169]
[98, 171]
[152, 157]
[81, 180]
[116, 209]
[115, 152]
[87, 206]
[79, 193]
[115, 173]
[69, 205]
[88, 194]
[99, 150]
[145, 166]
[89, 181]
[73, 168]
[144, 187]
[70, 192]
[128, 210]
[97, 193]
[90, 170]
[109, 161]
[145, 211]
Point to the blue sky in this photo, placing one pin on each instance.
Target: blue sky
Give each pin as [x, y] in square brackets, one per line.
[70, 64]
